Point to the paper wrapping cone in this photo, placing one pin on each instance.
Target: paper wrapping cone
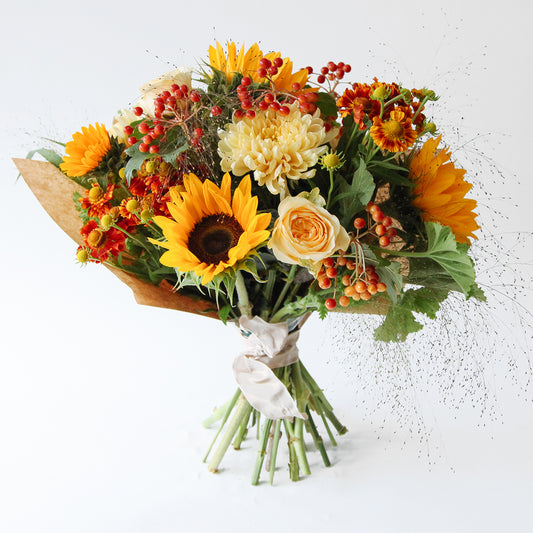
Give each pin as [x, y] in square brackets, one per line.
[54, 191]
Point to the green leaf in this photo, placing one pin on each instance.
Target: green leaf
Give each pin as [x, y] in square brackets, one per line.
[355, 197]
[390, 275]
[135, 161]
[400, 320]
[397, 325]
[224, 313]
[49, 155]
[175, 143]
[451, 255]
[327, 104]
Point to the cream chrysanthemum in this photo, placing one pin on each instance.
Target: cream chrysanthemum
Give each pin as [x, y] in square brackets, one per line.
[274, 147]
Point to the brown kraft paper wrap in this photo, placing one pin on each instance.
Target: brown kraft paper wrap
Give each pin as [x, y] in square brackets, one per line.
[55, 191]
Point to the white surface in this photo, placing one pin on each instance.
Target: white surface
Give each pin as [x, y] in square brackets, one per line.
[101, 399]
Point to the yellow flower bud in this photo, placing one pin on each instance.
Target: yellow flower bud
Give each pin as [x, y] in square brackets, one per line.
[95, 193]
[332, 161]
[150, 166]
[132, 205]
[122, 172]
[431, 128]
[145, 215]
[82, 256]
[380, 93]
[106, 222]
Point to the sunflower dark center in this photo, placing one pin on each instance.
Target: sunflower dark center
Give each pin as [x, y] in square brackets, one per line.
[213, 237]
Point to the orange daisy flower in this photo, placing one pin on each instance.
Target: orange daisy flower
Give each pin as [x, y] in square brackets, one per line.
[394, 134]
[96, 201]
[101, 244]
[440, 191]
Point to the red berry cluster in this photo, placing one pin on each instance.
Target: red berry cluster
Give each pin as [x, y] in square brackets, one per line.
[359, 282]
[270, 99]
[333, 71]
[151, 130]
[269, 68]
[381, 227]
[165, 103]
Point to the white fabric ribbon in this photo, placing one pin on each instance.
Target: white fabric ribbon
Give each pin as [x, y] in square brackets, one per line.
[267, 346]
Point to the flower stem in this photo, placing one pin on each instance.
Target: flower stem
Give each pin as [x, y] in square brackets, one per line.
[293, 460]
[244, 303]
[319, 443]
[288, 283]
[277, 435]
[243, 428]
[268, 291]
[262, 451]
[331, 181]
[233, 426]
[299, 445]
[229, 408]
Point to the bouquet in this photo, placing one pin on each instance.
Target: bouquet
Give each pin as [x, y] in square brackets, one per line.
[257, 194]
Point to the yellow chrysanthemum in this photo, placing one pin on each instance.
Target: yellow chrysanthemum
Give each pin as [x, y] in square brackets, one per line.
[86, 150]
[211, 231]
[440, 191]
[247, 64]
[274, 147]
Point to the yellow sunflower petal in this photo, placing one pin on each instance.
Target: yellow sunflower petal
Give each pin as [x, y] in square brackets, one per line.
[440, 191]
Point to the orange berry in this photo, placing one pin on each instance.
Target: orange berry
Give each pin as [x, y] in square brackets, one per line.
[342, 261]
[380, 230]
[360, 286]
[331, 272]
[381, 287]
[328, 262]
[356, 296]
[344, 301]
[350, 290]
[359, 223]
[365, 296]
[324, 282]
[377, 216]
[346, 280]
[372, 288]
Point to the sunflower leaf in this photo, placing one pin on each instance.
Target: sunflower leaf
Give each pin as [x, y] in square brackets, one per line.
[49, 155]
[224, 313]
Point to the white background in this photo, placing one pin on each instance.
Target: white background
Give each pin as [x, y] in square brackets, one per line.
[101, 399]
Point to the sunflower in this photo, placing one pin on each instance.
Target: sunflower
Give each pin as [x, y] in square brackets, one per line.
[211, 232]
[247, 64]
[86, 150]
[394, 134]
[440, 191]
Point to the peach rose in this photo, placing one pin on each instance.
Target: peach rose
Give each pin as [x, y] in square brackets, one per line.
[305, 233]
